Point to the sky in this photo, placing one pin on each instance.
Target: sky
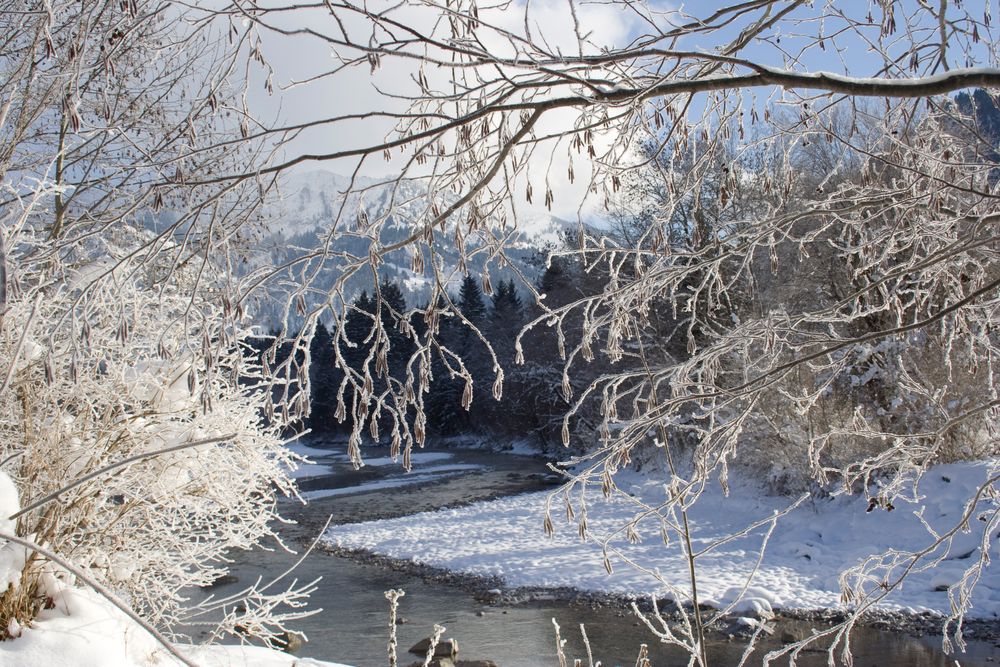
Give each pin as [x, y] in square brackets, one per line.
[299, 97]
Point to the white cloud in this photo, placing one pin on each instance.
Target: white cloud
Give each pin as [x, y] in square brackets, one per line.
[551, 24]
[357, 90]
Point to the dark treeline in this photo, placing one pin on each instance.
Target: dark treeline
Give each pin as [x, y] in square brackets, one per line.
[532, 404]
[537, 392]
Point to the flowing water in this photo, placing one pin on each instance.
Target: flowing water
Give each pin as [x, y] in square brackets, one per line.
[352, 627]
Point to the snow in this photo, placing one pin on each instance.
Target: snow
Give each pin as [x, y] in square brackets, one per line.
[303, 470]
[308, 467]
[302, 449]
[430, 474]
[808, 550]
[341, 455]
[425, 467]
[417, 459]
[12, 557]
[900, 84]
[248, 656]
[523, 448]
[83, 629]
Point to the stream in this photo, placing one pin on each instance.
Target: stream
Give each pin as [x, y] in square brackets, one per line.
[353, 626]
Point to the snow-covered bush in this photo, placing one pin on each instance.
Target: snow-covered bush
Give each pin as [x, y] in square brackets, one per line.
[137, 423]
[834, 333]
[112, 366]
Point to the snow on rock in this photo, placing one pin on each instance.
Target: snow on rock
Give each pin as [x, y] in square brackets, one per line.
[83, 629]
[800, 569]
[754, 601]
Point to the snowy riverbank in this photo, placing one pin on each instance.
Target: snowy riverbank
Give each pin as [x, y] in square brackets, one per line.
[799, 570]
[81, 628]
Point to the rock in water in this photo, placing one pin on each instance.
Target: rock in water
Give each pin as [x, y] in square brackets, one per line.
[448, 662]
[223, 580]
[289, 642]
[444, 649]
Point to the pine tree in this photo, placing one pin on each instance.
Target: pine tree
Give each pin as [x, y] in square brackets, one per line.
[323, 379]
[357, 327]
[393, 309]
[506, 303]
[554, 277]
[470, 300]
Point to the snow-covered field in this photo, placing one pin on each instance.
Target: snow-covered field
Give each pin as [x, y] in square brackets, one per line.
[808, 550]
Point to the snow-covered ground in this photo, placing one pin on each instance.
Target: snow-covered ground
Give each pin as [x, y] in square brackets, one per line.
[83, 629]
[340, 455]
[425, 475]
[425, 467]
[808, 550]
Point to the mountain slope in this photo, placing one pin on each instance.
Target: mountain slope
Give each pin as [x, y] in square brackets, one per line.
[313, 207]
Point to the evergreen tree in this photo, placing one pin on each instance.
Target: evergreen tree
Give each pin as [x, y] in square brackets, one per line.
[357, 327]
[443, 404]
[393, 309]
[554, 278]
[392, 297]
[470, 300]
[506, 303]
[506, 320]
[323, 379]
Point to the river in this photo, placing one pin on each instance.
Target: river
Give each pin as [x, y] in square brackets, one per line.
[352, 628]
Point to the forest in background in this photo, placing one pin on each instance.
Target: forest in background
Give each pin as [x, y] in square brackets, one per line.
[796, 274]
[535, 398]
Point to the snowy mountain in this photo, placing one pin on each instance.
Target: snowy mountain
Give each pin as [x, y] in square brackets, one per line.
[312, 205]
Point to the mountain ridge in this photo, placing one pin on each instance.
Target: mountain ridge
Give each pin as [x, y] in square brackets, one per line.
[299, 222]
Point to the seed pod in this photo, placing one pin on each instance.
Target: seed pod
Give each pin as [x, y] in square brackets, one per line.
[467, 395]
[498, 384]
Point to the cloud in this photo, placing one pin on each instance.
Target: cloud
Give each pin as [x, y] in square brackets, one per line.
[305, 92]
[550, 24]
